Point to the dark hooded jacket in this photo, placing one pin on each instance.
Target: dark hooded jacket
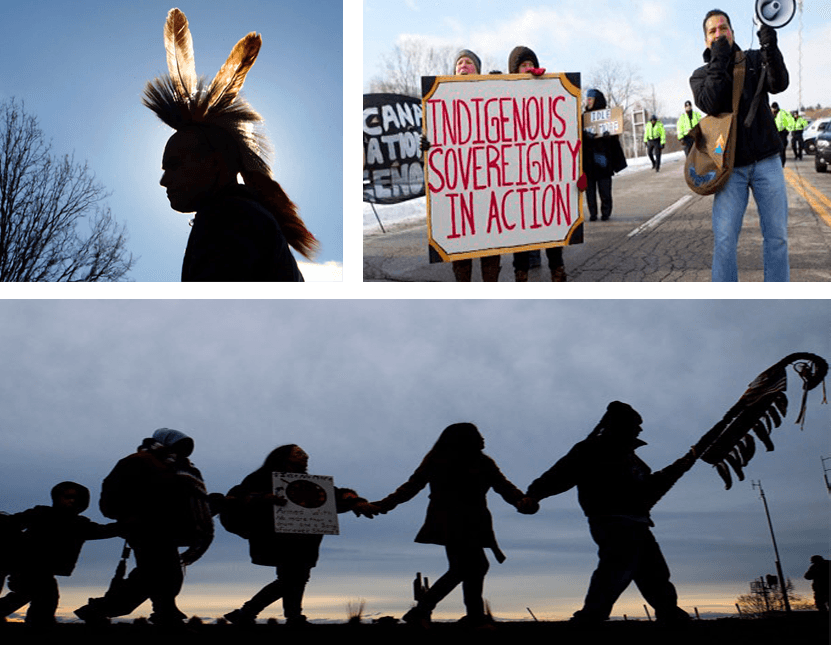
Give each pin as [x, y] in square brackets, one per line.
[602, 156]
[266, 546]
[712, 87]
[158, 499]
[52, 536]
[611, 479]
[819, 574]
[518, 55]
[235, 239]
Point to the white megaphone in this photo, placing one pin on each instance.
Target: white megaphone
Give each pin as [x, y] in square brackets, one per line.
[775, 13]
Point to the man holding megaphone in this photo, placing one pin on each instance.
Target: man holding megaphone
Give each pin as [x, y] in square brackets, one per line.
[757, 145]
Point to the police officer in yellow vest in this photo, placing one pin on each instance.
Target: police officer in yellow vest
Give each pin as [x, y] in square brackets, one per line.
[686, 122]
[784, 122]
[799, 124]
[655, 138]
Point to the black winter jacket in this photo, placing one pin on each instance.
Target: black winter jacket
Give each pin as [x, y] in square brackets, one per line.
[611, 479]
[458, 510]
[266, 546]
[52, 539]
[712, 87]
[235, 239]
[151, 501]
[602, 156]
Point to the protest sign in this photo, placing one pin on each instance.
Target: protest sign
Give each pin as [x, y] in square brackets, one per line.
[393, 169]
[503, 164]
[310, 504]
[598, 122]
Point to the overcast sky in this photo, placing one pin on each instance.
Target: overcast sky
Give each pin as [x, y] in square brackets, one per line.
[366, 387]
[662, 38]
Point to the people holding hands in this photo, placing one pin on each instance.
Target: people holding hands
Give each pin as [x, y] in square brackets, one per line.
[459, 475]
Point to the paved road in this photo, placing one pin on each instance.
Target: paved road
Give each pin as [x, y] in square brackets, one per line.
[659, 232]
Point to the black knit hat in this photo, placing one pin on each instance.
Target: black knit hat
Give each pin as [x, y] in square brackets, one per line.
[618, 413]
[466, 52]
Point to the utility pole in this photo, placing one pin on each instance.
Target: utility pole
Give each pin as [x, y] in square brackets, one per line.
[782, 584]
[826, 470]
[799, 86]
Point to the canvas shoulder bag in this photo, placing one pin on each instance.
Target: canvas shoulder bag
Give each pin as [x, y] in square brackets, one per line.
[710, 161]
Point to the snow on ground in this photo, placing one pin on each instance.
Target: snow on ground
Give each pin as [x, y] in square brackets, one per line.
[414, 211]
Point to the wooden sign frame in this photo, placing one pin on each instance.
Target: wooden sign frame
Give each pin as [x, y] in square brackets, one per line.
[503, 164]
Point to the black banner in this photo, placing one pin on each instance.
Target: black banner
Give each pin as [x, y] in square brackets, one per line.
[393, 167]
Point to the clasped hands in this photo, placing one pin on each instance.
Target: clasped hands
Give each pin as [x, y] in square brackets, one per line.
[526, 506]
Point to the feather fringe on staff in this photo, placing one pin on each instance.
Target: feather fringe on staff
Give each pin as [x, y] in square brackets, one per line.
[759, 410]
[181, 100]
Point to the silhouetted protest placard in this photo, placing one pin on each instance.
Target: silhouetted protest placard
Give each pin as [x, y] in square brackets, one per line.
[310, 504]
[393, 170]
[503, 164]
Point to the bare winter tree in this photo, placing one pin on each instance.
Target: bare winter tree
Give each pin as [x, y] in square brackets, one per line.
[412, 59]
[407, 63]
[620, 82]
[767, 598]
[53, 225]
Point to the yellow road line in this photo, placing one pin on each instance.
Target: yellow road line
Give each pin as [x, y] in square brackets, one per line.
[810, 194]
[809, 186]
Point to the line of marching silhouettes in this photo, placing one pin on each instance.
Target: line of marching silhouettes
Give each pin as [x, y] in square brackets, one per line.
[160, 504]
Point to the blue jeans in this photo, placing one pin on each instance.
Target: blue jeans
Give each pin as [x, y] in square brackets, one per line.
[767, 181]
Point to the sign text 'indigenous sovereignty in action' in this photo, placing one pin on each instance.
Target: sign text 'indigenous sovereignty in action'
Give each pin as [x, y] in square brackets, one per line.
[503, 164]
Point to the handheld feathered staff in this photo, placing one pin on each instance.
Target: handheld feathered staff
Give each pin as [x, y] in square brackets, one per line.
[181, 99]
[759, 410]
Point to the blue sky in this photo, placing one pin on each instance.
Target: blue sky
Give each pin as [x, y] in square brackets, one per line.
[366, 386]
[663, 39]
[81, 70]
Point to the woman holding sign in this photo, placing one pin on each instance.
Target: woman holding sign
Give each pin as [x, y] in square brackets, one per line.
[524, 61]
[602, 157]
[459, 475]
[249, 512]
[468, 63]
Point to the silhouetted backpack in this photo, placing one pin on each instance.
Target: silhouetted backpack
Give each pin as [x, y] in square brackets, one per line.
[234, 517]
[710, 161]
[11, 538]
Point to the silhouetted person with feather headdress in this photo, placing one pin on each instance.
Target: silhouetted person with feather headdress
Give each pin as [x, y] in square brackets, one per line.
[240, 232]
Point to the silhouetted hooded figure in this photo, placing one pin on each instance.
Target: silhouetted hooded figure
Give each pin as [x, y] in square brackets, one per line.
[459, 475]
[49, 546]
[159, 499]
[819, 573]
[616, 491]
